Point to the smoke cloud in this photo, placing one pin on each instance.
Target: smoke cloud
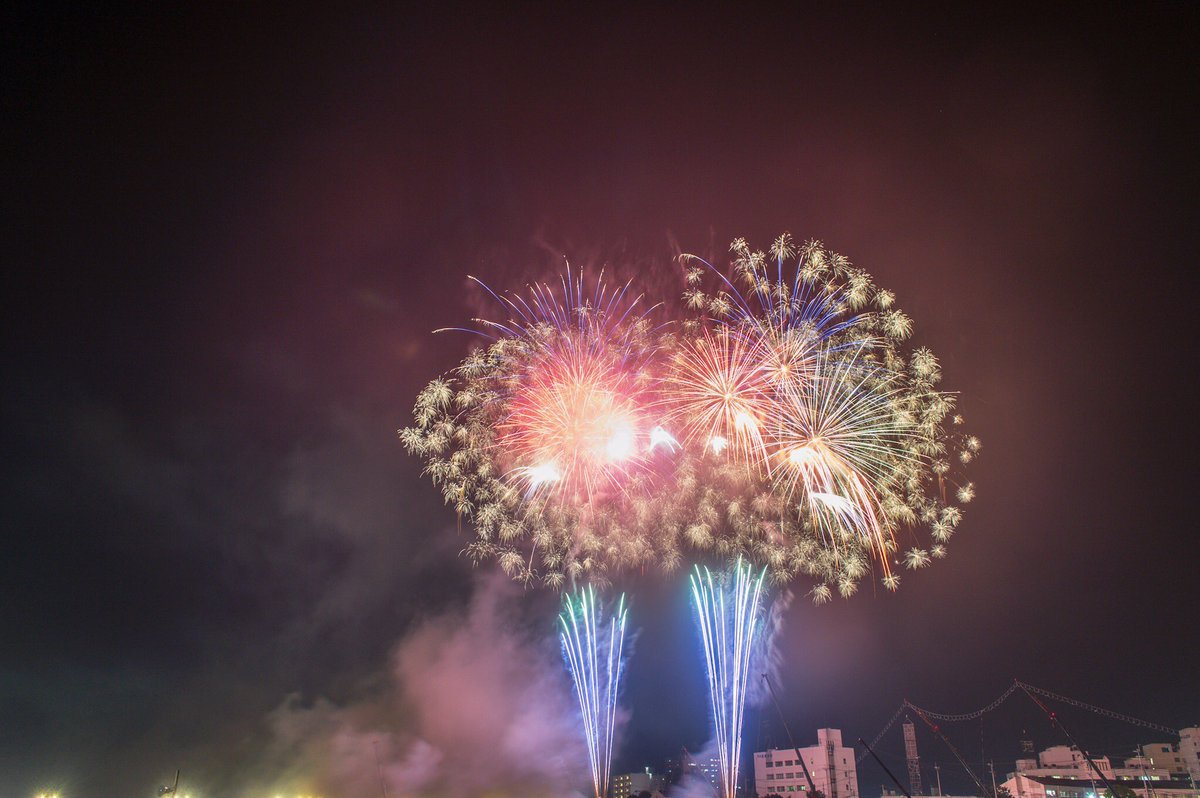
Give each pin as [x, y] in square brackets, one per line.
[767, 657]
[476, 703]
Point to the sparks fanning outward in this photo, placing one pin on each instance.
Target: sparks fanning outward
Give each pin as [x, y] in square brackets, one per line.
[592, 645]
[728, 613]
[837, 445]
[780, 418]
[546, 439]
[716, 393]
[576, 429]
[571, 422]
[827, 444]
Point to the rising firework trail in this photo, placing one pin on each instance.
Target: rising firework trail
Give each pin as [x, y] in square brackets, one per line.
[728, 612]
[592, 642]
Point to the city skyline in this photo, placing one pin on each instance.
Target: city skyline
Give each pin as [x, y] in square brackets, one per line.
[776, 770]
[232, 232]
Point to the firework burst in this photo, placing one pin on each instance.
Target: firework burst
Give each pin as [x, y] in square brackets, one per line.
[716, 392]
[546, 437]
[849, 449]
[575, 427]
[782, 419]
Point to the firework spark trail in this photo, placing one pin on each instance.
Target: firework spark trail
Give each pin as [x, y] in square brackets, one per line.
[839, 444]
[595, 666]
[728, 612]
[716, 392]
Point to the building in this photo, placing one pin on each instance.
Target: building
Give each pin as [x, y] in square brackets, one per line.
[672, 770]
[1161, 770]
[707, 767]
[1165, 756]
[1067, 762]
[1182, 759]
[888, 793]
[1158, 762]
[830, 764]
[1189, 749]
[1020, 785]
[626, 784]
[1064, 761]
[1143, 768]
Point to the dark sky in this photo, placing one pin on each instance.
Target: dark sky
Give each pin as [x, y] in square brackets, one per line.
[229, 235]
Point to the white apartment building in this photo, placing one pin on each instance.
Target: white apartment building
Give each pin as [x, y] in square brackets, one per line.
[831, 765]
[1143, 768]
[1022, 786]
[1182, 759]
[890, 793]
[1189, 749]
[627, 784]
[1070, 758]
[1160, 771]
[1066, 762]
[1166, 756]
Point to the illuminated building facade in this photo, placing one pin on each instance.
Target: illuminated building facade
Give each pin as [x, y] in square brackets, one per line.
[831, 765]
[626, 784]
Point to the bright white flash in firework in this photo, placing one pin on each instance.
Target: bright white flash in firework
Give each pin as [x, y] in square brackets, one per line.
[660, 437]
[728, 612]
[592, 642]
[539, 475]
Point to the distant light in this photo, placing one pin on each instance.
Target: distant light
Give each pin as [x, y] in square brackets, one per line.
[718, 443]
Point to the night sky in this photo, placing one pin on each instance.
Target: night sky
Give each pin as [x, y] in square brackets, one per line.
[229, 237]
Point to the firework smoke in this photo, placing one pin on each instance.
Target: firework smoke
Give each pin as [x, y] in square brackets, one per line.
[473, 703]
